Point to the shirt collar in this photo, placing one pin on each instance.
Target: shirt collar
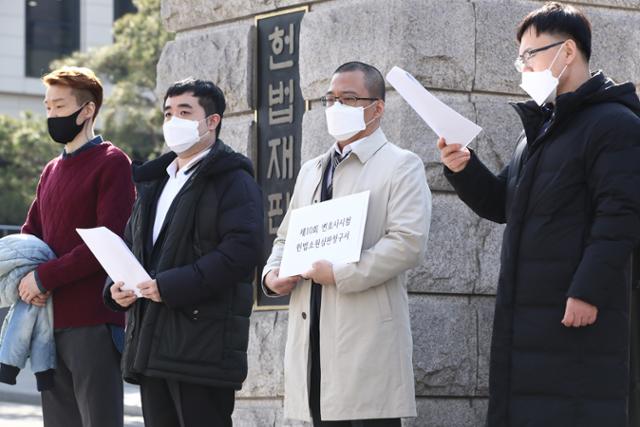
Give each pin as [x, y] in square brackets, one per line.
[366, 147]
[364, 150]
[97, 140]
[172, 169]
[348, 148]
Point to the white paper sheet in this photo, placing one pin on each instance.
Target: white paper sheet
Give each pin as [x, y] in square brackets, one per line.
[114, 256]
[331, 230]
[444, 121]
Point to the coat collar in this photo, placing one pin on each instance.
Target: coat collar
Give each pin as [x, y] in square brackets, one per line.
[220, 159]
[533, 116]
[370, 146]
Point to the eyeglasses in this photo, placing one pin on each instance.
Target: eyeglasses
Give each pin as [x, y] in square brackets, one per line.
[523, 60]
[350, 100]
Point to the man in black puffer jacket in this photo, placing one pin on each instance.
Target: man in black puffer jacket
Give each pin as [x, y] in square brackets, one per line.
[197, 228]
[571, 200]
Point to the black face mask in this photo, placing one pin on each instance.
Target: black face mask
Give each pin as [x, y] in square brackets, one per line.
[63, 129]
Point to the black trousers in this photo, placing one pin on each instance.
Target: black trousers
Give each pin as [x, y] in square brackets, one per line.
[87, 384]
[315, 375]
[170, 403]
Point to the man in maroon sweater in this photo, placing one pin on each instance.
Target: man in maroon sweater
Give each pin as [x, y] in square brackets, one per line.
[88, 185]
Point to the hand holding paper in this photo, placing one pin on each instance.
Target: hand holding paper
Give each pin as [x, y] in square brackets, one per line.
[149, 289]
[321, 273]
[453, 156]
[280, 285]
[124, 298]
[445, 122]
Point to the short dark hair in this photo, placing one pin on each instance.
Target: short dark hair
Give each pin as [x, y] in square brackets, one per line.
[210, 97]
[373, 80]
[556, 18]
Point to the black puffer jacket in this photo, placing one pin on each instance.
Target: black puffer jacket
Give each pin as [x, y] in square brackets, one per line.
[204, 263]
[571, 201]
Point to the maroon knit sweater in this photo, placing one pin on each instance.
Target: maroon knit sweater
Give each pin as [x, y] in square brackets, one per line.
[93, 188]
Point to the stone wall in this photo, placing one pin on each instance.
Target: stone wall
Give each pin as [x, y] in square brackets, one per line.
[463, 51]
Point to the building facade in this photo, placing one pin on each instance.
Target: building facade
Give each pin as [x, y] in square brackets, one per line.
[35, 32]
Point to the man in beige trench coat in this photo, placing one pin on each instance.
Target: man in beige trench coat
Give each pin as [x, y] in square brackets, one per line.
[348, 357]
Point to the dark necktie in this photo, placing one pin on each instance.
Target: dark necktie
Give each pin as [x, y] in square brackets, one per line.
[335, 160]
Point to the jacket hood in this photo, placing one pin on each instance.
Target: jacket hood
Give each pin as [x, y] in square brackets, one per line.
[220, 160]
[608, 91]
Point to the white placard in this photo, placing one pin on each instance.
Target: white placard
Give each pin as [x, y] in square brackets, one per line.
[114, 256]
[445, 121]
[331, 230]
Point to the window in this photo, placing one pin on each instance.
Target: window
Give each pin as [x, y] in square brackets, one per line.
[52, 31]
[122, 7]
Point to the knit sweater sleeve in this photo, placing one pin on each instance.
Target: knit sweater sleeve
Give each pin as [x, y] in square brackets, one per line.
[33, 224]
[115, 199]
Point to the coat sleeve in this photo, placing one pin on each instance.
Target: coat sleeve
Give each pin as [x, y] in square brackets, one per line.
[240, 227]
[481, 190]
[115, 198]
[404, 243]
[275, 258]
[613, 180]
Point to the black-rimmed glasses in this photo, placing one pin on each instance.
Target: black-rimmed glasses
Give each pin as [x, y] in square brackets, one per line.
[523, 60]
[350, 100]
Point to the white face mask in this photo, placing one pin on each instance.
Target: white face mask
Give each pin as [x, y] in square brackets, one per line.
[181, 134]
[343, 121]
[541, 85]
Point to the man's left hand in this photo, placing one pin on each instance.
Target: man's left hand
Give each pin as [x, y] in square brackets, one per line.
[579, 313]
[28, 288]
[149, 289]
[40, 300]
[321, 273]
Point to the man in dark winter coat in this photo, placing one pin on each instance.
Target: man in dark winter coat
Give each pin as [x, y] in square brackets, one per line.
[197, 228]
[571, 200]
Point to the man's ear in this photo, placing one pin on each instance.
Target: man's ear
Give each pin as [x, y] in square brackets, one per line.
[87, 112]
[379, 109]
[571, 51]
[213, 121]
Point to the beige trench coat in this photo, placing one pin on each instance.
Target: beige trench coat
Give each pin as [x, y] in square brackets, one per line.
[366, 350]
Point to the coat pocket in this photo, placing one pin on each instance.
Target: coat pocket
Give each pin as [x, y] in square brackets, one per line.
[384, 304]
[186, 336]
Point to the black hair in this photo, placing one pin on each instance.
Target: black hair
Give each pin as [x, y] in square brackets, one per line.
[373, 80]
[210, 97]
[556, 18]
